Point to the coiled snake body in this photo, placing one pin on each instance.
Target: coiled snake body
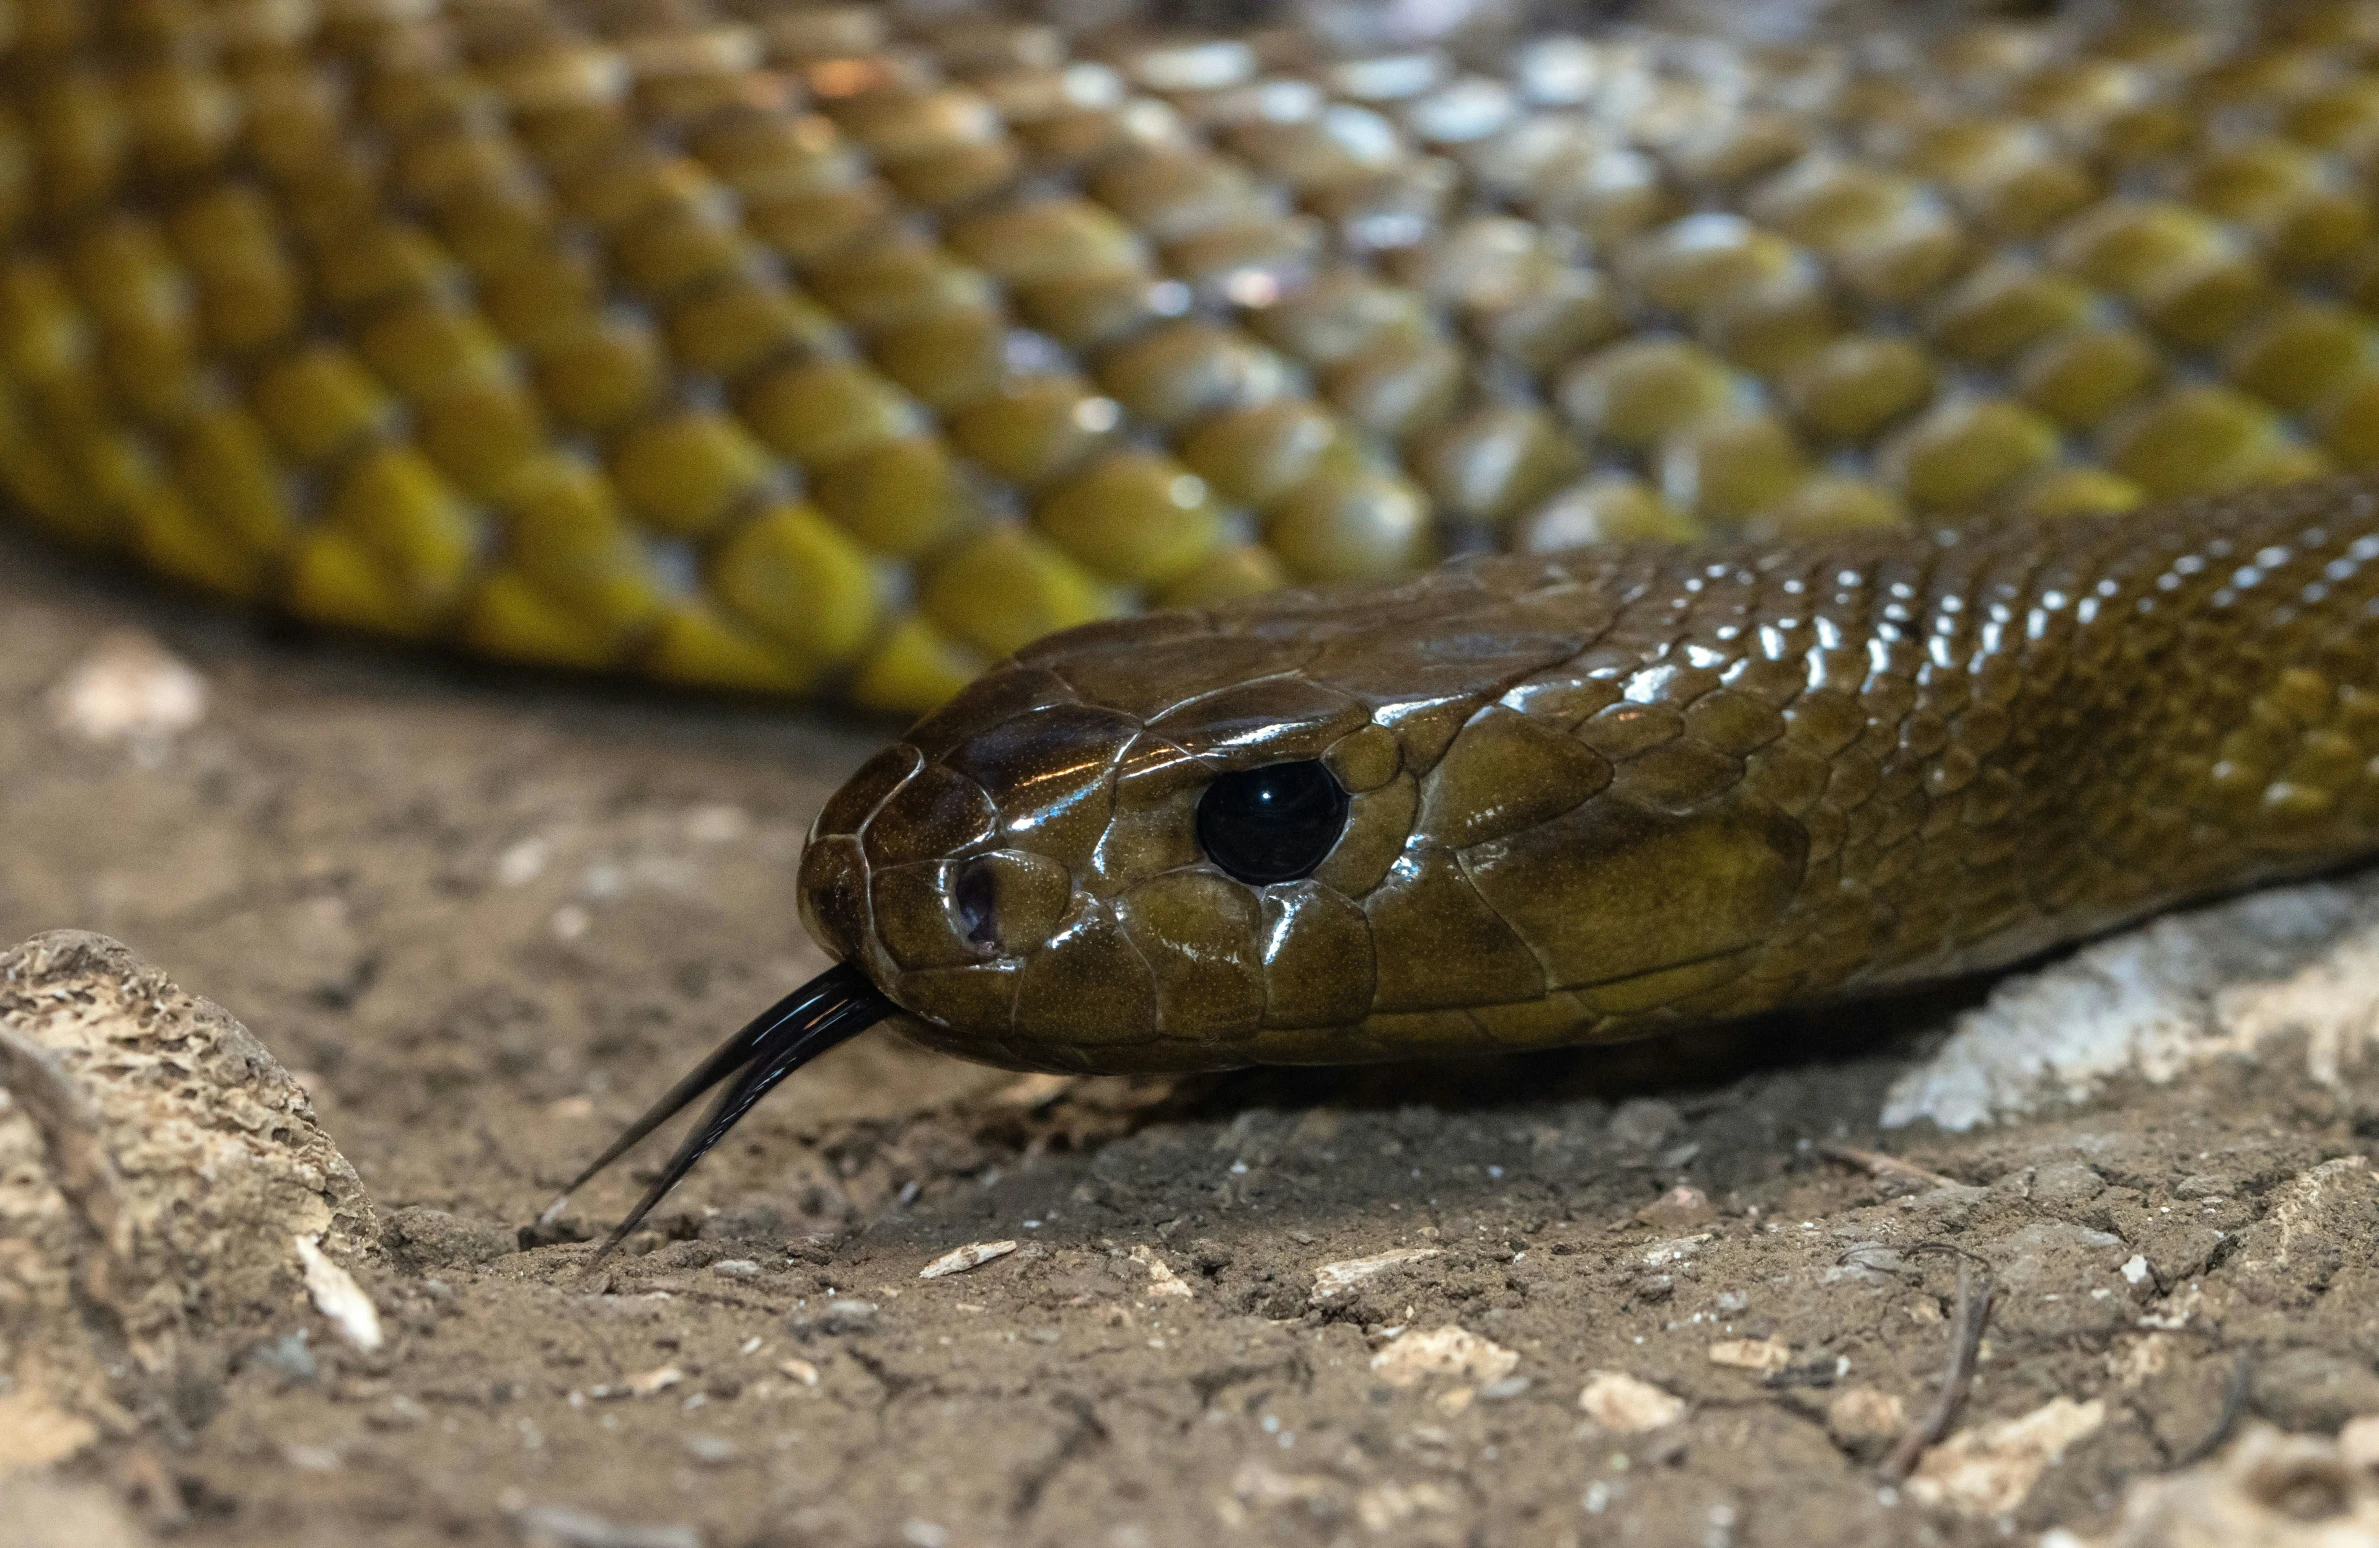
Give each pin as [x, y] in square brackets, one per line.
[847, 351]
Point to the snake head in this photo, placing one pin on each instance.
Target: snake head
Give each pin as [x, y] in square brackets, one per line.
[1042, 872]
[1148, 844]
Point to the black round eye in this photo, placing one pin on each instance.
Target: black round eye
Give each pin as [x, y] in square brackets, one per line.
[1272, 824]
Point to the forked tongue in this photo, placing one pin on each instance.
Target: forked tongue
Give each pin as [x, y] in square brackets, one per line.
[832, 1007]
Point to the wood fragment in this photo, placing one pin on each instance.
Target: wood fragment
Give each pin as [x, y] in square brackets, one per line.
[1875, 1163]
[1976, 1294]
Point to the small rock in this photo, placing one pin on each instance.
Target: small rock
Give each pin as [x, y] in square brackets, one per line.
[959, 1260]
[35, 1432]
[1387, 1506]
[1163, 1283]
[158, 1165]
[337, 1296]
[1411, 1358]
[129, 689]
[422, 1239]
[1628, 1405]
[1866, 1421]
[800, 1370]
[44, 1512]
[1764, 1355]
[1337, 1281]
[850, 1317]
[2267, 1490]
[659, 1379]
[1673, 1251]
[1986, 1471]
[1679, 1210]
[2358, 1443]
[736, 1268]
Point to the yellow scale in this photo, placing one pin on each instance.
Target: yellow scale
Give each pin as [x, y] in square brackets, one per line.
[797, 350]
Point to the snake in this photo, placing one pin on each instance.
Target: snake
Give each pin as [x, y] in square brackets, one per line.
[1412, 530]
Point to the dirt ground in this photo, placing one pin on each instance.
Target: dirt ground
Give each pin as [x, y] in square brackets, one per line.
[484, 917]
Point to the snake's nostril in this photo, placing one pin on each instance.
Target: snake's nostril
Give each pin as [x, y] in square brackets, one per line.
[972, 896]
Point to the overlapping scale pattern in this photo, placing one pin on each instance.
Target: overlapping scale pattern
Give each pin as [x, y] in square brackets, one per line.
[839, 350]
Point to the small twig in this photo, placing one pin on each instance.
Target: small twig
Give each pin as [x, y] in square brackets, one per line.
[2234, 1408]
[1877, 1164]
[1975, 1296]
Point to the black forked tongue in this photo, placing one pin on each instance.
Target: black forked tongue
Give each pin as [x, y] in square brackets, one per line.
[830, 1008]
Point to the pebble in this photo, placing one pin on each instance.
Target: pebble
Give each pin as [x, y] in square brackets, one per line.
[1334, 1281]
[2265, 1490]
[850, 1317]
[1763, 1355]
[337, 1296]
[1680, 1209]
[1986, 1471]
[1628, 1405]
[2358, 1443]
[736, 1268]
[129, 689]
[1866, 1420]
[658, 1379]
[1411, 1358]
[958, 1260]
[1163, 1283]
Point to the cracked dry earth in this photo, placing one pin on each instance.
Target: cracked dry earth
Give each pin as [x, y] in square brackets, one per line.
[1648, 1295]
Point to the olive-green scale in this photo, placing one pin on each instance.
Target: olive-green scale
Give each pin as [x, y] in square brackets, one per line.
[818, 350]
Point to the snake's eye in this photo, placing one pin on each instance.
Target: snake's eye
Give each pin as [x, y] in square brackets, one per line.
[1272, 824]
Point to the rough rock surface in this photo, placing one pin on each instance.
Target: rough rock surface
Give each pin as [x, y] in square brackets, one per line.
[2154, 1002]
[2267, 1490]
[157, 1168]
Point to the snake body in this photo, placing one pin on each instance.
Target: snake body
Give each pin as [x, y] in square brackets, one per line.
[1598, 796]
[846, 351]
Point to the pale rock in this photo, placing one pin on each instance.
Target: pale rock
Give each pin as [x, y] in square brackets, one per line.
[1865, 1420]
[2155, 1002]
[157, 1162]
[1411, 1358]
[44, 1512]
[960, 1259]
[1628, 1405]
[1163, 1283]
[129, 689]
[1764, 1355]
[1336, 1281]
[1986, 1471]
[2265, 1490]
[337, 1296]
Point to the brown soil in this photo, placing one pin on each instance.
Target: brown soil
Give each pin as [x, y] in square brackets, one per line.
[485, 916]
